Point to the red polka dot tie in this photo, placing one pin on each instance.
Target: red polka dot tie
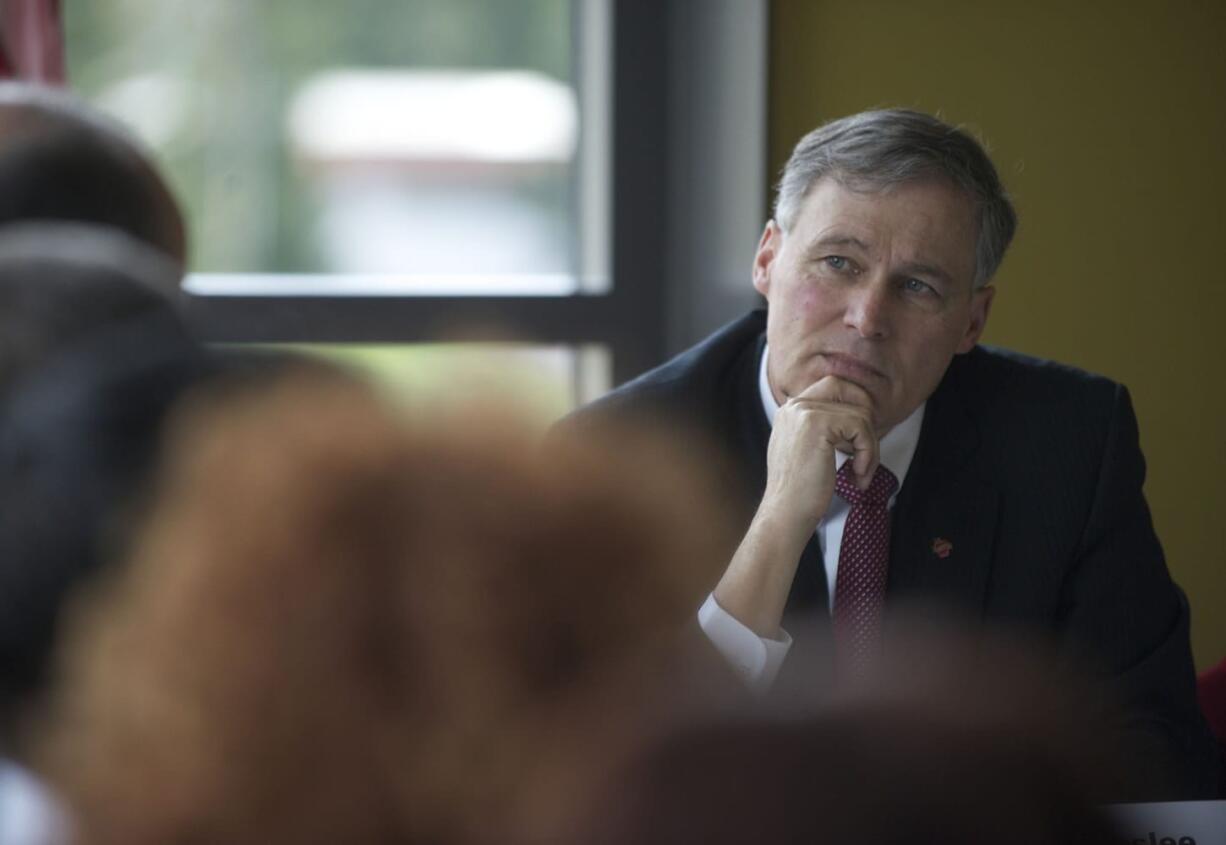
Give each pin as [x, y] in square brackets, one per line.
[864, 556]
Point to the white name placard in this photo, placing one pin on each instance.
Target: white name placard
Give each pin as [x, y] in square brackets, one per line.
[1171, 822]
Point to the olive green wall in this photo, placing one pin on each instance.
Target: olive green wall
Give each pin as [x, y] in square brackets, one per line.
[1108, 123]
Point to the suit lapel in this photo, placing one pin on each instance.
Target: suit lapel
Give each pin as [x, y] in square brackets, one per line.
[944, 522]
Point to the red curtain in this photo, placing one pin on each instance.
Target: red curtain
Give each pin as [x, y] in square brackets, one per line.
[31, 40]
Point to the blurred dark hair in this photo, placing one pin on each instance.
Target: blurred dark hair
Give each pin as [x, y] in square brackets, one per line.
[955, 736]
[61, 283]
[883, 775]
[92, 357]
[60, 159]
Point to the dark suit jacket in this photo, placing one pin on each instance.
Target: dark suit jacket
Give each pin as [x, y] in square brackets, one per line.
[1031, 472]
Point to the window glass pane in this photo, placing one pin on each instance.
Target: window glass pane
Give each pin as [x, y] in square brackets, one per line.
[380, 139]
[543, 382]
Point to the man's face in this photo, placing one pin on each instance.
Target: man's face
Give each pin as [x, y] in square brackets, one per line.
[872, 287]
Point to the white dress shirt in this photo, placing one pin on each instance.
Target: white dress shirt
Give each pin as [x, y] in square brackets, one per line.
[757, 659]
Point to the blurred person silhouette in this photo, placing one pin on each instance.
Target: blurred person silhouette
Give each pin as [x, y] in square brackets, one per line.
[92, 355]
[61, 159]
[343, 626]
[953, 739]
[66, 281]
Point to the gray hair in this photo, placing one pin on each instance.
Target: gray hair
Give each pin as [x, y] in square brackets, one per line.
[877, 150]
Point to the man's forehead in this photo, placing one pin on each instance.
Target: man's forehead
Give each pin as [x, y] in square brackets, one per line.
[932, 221]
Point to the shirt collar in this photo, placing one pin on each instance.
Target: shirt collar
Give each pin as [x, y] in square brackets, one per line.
[897, 447]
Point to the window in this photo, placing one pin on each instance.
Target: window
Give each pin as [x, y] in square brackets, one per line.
[367, 147]
[391, 172]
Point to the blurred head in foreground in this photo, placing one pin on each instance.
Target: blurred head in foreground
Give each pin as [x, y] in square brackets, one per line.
[883, 777]
[63, 285]
[955, 740]
[60, 159]
[92, 356]
[338, 628]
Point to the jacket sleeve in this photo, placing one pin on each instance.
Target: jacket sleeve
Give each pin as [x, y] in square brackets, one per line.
[1120, 604]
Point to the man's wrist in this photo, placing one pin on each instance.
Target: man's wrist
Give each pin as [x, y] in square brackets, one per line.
[755, 587]
[779, 524]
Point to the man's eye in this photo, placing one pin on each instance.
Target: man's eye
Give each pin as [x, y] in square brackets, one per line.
[836, 262]
[916, 286]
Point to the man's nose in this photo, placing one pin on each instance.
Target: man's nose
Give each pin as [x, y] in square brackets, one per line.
[868, 310]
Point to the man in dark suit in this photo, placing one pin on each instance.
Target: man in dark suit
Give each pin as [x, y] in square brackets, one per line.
[883, 455]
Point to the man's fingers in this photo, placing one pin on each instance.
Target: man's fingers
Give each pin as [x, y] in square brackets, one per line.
[837, 397]
[835, 389]
[847, 428]
[864, 461]
[860, 443]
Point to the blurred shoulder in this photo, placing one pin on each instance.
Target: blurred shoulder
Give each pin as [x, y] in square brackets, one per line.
[697, 382]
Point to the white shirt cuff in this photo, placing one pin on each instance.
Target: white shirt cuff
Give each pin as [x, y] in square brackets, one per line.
[755, 660]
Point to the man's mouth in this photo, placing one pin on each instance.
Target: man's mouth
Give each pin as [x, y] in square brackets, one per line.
[851, 368]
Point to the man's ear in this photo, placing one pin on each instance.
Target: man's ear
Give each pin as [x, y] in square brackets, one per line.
[768, 250]
[981, 304]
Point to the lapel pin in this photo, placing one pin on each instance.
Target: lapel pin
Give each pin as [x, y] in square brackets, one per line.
[942, 547]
